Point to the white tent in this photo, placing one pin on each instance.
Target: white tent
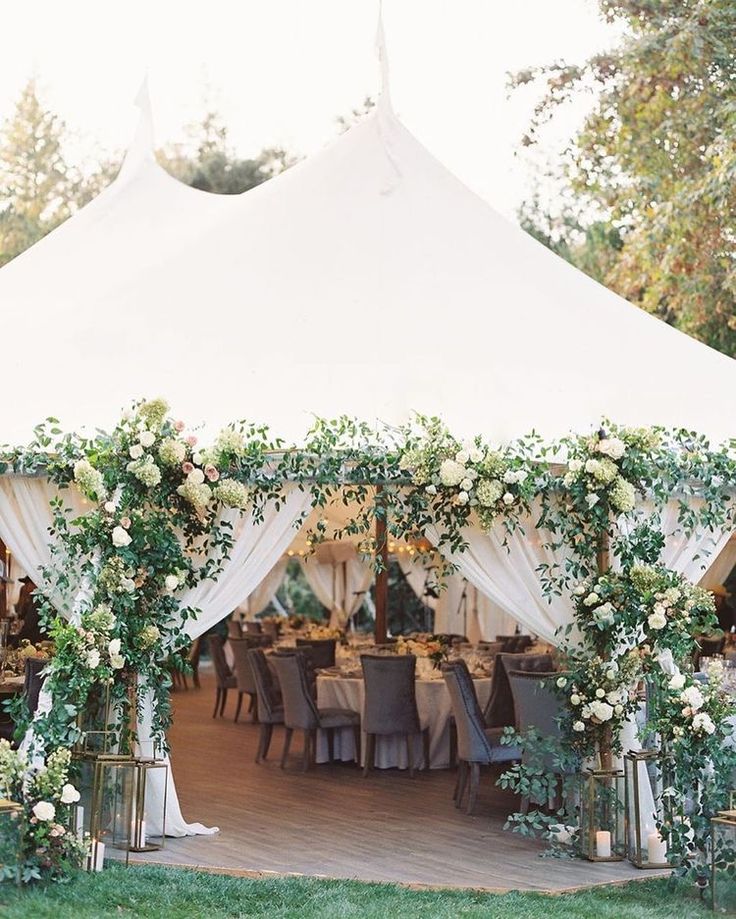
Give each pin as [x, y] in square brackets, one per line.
[365, 280]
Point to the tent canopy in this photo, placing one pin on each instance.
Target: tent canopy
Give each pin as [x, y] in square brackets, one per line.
[366, 280]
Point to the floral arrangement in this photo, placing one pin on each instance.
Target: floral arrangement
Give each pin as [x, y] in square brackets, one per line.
[50, 849]
[433, 647]
[321, 632]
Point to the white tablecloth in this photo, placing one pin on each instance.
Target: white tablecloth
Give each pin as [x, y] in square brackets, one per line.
[433, 703]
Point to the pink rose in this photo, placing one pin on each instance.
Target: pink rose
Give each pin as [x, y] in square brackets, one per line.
[212, 474]
[191, 440]
[125, 522]
[187, 467]
[179, 426]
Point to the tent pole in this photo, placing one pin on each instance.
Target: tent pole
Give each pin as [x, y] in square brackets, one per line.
[382, 574]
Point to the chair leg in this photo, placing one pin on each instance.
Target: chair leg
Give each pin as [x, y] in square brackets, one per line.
[267, 734]
[453, 742]
[306, 756]
[474, 784]
[457, 794]
[195, 675]
[238, 706]
[287, 743]
[356, 743]
[370, 748]
[410, 754]
[330, 745]
[217, 702]
[425, 739]
[224, 700]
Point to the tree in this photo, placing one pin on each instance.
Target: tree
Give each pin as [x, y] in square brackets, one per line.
[654, 163]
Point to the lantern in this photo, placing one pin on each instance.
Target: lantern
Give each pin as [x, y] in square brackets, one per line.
[646, 809]
[723, 862]
[602, 837]
[11, 839]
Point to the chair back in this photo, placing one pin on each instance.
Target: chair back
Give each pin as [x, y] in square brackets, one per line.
[234, 629]
[322, 653]
[536, 705]
[217, 652]
[515, 644]
[271, 629]
[243, 670]
[472, 744]
[267, 699]
[300, 712]
[33, 682]
[390, 705]
[499, 712]
[254, 627]
[490, 647]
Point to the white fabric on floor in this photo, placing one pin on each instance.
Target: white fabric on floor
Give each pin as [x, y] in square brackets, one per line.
[259, 599]
[340, 586]
[433, 704]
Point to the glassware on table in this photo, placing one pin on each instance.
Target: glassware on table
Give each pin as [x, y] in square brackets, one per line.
[4, 633]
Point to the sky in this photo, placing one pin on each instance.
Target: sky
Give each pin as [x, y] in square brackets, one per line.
[281, 72]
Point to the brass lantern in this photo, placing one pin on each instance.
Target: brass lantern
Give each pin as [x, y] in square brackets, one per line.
[602, 837]
[723, 862]
[646, 809]
[11, 840]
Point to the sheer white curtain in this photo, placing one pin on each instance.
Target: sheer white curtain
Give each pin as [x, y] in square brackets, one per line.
[475, 616]
[339, 579]
[265, 592]
[723, 565]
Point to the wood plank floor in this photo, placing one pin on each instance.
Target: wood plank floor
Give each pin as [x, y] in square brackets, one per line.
[331, 822]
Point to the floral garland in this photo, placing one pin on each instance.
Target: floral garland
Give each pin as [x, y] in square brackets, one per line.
[49, 848]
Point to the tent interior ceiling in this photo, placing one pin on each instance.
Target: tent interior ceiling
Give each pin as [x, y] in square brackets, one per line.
[365, 280]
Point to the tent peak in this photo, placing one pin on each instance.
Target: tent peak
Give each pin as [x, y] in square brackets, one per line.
[384, 99]
[141, 147]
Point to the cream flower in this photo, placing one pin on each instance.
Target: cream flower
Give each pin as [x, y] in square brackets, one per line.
[120, 538]
[612, 446]
[657, 621]
[601, 711]
[69, 794]
[196, 477]
[171, 582]
[93, 658]
[508, 499]
[677, 681]
[147, 438]
[452, 473]
[578, 726]
[693, 697]
[136, 451]
[703, 723]
[575, 699]
[44, 811]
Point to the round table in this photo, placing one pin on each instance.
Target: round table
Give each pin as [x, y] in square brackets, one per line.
[433, 704]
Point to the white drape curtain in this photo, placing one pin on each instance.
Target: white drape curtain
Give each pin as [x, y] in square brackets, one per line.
[722, 566]
[477, 616]
[340, 586]
[265, 592]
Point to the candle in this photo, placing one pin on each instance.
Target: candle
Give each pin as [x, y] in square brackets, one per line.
[603, 844]
[137, 834]
[98, 854]
[79, 821]
[656, 849]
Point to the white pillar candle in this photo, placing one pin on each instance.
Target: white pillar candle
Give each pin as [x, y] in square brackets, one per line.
[98, 854]
[656, 849]
[603, 844]
[79, 821]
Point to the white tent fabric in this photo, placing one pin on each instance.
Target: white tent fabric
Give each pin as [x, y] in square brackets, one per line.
[722, 566]
[366, 255]
[257, 601]
[339, 585]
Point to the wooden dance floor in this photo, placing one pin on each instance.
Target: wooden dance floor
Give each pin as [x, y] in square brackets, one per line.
[330, 822]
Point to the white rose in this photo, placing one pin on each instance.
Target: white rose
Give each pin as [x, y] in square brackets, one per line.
[574, 699]
[615, 696]
[171, 582]
[93, 658]
[466, 484]
[462, 456]
[197, 458]
[431, 489]
[44, 811]
[677, 681]
[605, 613]
[147, 438]
[462, 497]
[592, 499]
[592, 466]
[703, 722]
[475, 455]
[562, 682]
[110, 507]
[120, 537]
[579, 590]
[694, 697]
[618, 709]
[114, 647]
[575, 465]
[509, 477]
[117, 661]
[601, 711]
[69, 794]
[578, 726]
[508, 499]
[612, 446]
[521, 476]
[657, 621]
[610, 674]
[196, 477]
[600, 693]
[136, 451]
[591, 599]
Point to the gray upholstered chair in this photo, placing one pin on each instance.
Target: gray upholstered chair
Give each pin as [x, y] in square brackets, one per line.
[246, 685]
[474, 747]
[234, 629]
[223, 674]
[268, 703]
[322, 653]
[301, 712]
[253, 627]
[515, 644]
[499, 712]
[537, 706]
[390, 706]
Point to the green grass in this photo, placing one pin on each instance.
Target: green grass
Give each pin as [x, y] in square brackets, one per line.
[167, 893]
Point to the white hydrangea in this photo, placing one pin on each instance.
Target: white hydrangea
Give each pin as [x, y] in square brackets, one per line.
[612, 446]
[233, 493]
[452, 473]
[693, 697]
[488, 492]
[172, 452]
[623, 496]
[703, 723]
[230, 441]
[90, 480]
[601, 711]
[657, 620]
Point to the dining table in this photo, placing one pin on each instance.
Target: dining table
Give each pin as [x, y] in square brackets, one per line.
[338, 690]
